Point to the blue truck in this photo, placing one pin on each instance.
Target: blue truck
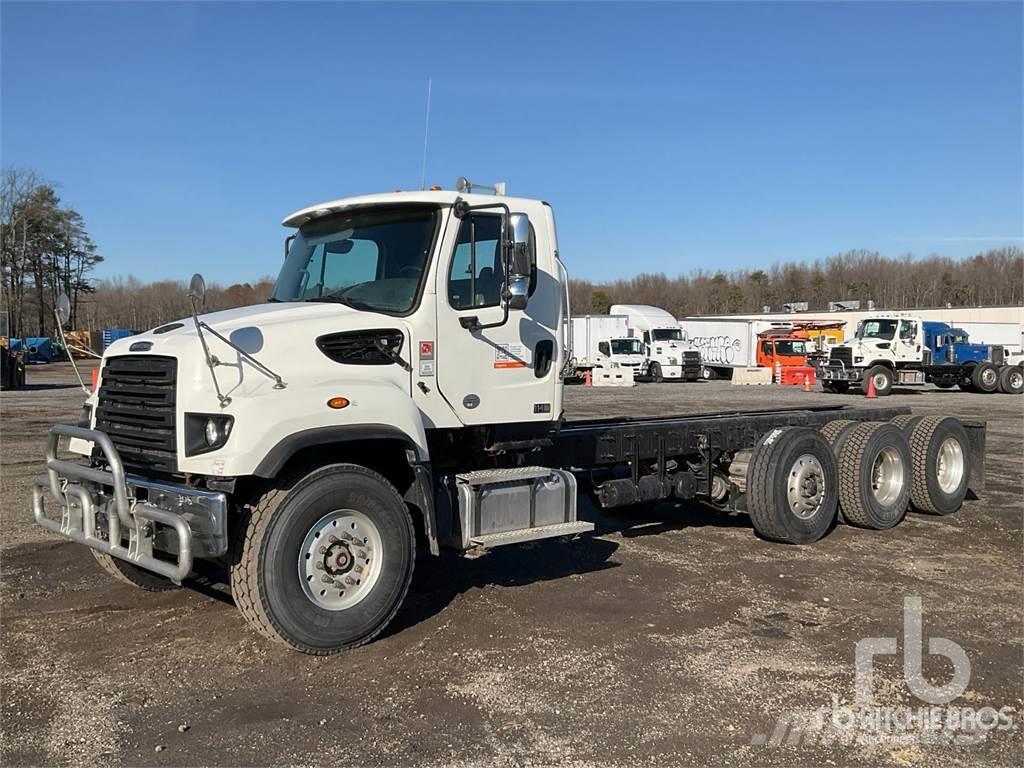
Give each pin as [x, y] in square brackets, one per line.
[890, 350]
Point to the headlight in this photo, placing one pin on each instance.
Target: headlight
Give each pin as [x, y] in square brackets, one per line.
[205, 432]
[858, 359]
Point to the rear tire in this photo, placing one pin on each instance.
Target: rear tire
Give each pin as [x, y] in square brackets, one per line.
[292, 545]
[941, 458]
[129, 573]
[1011, 380]
[792, 486]
[985, 378]
[874, 487]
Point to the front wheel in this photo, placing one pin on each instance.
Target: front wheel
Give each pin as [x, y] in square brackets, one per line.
[882, 378]
[323, 566]
[656, 376]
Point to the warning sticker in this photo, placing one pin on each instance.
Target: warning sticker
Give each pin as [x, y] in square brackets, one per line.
[510, 356]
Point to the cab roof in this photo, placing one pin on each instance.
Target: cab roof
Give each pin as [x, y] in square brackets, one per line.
[441, 197]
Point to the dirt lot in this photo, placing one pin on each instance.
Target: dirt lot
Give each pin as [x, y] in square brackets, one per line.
[670, 637]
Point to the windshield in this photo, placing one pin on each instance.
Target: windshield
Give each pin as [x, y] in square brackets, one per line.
[877, 329]
[667, 334]
[371, 259]
[625, 346]
[790, 348]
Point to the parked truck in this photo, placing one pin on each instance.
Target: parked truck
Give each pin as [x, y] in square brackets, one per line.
[405, 385]
[603, 341]
[666, 357]
[896, 349]
[727, 344]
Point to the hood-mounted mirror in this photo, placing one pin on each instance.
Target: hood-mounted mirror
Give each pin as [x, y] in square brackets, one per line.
[197, 289]
[63, 309]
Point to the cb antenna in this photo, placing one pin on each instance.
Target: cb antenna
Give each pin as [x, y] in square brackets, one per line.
[426, 129]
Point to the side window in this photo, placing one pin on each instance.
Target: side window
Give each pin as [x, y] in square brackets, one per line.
[647, 337]
[602, 347]
[766, 347]
[475, 276]
[908, 330]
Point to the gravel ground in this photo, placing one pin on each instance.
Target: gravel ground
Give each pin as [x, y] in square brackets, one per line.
[672, 636]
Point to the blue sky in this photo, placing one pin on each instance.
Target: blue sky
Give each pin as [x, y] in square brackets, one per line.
[668, 137]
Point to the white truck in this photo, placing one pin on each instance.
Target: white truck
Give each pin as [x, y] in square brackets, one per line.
[603, 341]
[725, 344]
[403, 385]
[891, 349]
[666, 357]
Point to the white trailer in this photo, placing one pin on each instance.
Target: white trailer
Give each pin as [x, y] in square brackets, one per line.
[725, 344]
[603, 341]
[665, 354]
[1010, 336]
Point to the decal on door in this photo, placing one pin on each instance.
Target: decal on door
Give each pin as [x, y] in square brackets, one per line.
[510, 356]
[426, 358]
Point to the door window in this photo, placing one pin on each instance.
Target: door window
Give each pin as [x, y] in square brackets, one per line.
[475, 276]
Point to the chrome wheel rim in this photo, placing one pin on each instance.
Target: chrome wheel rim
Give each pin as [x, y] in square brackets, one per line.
[888, 476]
[949, 465]
[880, 380]
[1016, 379]
[989, 377]
[805, 489]
[340, 559]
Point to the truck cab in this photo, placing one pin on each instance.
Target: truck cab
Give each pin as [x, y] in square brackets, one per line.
[666, 356]
[626, 352]
[777, 350]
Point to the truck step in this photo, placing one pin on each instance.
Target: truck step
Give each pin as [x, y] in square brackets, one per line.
[532, 534]
[512, 474]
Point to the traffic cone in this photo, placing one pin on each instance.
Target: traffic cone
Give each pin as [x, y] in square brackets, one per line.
[871, 387]
[807, 382]
[586, 380]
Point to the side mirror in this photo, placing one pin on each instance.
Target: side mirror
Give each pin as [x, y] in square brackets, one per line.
[521, 263]
[197, 290]
[63, 309]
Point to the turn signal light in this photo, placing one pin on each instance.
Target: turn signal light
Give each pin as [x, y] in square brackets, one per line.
[337, 402]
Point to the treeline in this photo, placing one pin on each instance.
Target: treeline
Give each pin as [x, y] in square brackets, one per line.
[992, 277]
[130, 303]
[45, 251]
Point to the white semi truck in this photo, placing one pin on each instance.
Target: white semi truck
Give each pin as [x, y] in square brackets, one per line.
[404, 385]
[666, 357]
[603, 341]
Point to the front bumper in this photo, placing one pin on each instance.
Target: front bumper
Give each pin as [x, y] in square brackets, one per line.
[129, 517]
[839, 372]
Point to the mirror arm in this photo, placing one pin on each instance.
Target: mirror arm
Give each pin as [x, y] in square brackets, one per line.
[279, 382]
[64, 341]
[210, 361]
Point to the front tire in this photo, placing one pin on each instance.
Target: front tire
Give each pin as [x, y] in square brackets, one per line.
[656, 376]
[323, 566]
[883, 380]
[128, 573]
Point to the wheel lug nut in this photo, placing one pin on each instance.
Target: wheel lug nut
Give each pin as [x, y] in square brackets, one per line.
[358, 569]
[322, 550]
[319, 566]
[350, 581]
[332, 538]
[327, 580]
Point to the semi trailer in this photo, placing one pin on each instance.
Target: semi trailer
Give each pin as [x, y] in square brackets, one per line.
[402, 393]
[890, 350]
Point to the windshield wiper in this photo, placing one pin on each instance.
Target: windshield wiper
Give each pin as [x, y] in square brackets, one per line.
[332, 299]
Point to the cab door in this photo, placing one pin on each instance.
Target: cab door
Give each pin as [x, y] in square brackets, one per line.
[499, 374]
[907, 345]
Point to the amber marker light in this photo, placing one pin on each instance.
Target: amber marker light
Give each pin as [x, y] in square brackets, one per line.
[337, 403]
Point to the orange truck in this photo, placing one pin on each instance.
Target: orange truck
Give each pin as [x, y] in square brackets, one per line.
[804, 344]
